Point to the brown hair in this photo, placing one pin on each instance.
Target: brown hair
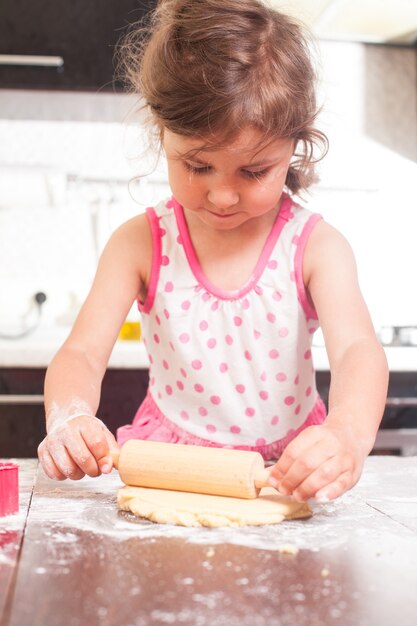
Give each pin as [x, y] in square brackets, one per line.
[208, 68]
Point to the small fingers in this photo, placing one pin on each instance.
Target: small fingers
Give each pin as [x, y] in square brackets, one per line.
[82, 455]
[106, 462]
[81, 446]
[48, 464]
[330, 480]
[298, 448]
[345, 481]
[97, 441]
[63, 460]
[335, 489]
[302, 469]
[317, 463]
[70, 452]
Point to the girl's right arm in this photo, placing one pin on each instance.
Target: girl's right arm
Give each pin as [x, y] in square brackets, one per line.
[77, 442]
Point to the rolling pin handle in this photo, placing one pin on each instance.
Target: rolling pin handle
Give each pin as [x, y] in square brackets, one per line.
[262, 478]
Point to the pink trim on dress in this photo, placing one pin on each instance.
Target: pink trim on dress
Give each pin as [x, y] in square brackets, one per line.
[308, 308]
[282, 217]
[156, 261]
[150, 424]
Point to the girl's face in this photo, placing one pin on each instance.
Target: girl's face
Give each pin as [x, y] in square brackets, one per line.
[227, 187]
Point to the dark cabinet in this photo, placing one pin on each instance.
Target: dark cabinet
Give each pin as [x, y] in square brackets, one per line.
[63, 44]
[22, 417]
[22, 421]
[398, 430]
[401, 405]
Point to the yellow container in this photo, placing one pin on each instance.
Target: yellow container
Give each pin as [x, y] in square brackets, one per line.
[130, 331]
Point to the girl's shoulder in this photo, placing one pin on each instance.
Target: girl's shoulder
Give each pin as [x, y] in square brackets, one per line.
[133, 232]
[326, 248]
[129, 249]
[297, 213]
[320, 233]
[325, 236]
[136, 235]
[140, 226]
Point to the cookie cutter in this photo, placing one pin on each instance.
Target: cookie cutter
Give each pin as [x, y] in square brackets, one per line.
[9, 489]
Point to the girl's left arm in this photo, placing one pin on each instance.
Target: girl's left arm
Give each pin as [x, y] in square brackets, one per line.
[325, 461]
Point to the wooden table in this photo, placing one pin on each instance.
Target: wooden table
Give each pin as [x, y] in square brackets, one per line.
[69, 558]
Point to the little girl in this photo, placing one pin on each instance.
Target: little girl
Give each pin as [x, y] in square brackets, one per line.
[232, 276]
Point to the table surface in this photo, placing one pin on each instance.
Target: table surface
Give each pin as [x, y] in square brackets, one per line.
[69, 558]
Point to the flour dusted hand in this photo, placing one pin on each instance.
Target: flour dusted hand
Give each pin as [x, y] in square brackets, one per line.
[75, 447]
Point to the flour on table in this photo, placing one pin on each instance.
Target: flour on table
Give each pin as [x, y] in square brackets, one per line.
[194, 509]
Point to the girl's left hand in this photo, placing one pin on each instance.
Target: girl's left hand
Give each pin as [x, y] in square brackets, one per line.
[322, 462]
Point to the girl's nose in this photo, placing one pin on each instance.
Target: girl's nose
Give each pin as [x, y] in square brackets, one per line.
[223, 196]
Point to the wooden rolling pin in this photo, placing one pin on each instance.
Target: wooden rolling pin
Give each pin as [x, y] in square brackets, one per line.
[199, 469]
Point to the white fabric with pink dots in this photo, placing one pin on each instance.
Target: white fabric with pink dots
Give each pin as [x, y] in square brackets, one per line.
[231, 368]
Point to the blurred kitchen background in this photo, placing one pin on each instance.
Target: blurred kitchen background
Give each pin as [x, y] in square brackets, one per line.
[75, 163]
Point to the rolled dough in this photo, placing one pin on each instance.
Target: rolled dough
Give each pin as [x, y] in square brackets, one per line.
[193, 509]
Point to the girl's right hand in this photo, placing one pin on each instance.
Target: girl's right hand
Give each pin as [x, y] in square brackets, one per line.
[77, 447]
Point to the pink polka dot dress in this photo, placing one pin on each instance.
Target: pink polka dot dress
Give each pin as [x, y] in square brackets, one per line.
[228, 368]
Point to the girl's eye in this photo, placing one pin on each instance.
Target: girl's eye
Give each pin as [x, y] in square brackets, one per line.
[256, 174]
[202, 169]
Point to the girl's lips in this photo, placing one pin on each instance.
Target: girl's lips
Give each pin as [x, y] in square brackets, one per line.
[222, 215]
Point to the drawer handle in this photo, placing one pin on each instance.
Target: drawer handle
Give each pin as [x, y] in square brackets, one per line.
[31, 59]
[403, 402]
[21, 398]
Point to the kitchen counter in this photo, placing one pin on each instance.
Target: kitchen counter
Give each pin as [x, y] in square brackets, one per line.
[69, 558]
[37, 350]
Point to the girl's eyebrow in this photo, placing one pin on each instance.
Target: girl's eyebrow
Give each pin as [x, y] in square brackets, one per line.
[195, 159]
[264, 163]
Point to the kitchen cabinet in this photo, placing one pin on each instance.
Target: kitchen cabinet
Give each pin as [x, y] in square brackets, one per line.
[401, 406]
[64, 44]
[22, 417]
[21, 411]
[398, 431]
